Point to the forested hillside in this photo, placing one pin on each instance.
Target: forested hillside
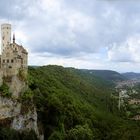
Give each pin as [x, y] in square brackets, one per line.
[108, 75]
[75, 105]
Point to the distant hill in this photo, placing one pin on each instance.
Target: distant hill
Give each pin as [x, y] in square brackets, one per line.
[132, 75]
[108, 75]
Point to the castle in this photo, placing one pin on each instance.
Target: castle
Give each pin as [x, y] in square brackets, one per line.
[13, 57]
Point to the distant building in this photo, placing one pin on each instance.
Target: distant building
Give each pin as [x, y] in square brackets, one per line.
[13, 57]
[134, 101]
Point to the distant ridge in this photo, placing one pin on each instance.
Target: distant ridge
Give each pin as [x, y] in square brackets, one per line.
[108, 75]
[132, 75]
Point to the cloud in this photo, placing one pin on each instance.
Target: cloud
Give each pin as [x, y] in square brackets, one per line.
[75, 30]
[62, 31]
[128, 51]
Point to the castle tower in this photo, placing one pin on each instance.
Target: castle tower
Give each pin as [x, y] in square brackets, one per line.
[5, 35]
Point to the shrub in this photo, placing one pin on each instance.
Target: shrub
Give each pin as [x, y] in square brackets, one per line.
[56, 135]
[11, 134]
[27, 95]
[4, 90]
[80, 133]
[22, 75]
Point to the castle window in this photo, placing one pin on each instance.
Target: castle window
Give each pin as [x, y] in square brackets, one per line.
[3, 61]
[7, 60]
[12, 61]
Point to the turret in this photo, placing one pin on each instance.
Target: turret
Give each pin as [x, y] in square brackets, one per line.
[5, 35]
[13, 38]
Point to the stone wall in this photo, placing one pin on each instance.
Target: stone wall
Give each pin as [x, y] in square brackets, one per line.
[13, 58]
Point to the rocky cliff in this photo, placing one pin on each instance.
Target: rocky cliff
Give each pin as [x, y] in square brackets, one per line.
[13, 111]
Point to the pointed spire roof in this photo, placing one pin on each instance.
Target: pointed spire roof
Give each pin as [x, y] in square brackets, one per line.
[14, 38]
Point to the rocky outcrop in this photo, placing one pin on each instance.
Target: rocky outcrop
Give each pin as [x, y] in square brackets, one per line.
[17, 86]
[15, 113]
[1, 77]
[9, 108]
[27, 121]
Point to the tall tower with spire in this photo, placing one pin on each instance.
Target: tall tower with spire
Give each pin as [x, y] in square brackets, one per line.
[5, 36]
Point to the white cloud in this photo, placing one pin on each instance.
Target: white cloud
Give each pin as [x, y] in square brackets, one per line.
[128, 51]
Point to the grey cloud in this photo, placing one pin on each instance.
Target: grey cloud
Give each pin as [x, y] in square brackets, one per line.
[15, 9]
[128, 51]
[111, 25]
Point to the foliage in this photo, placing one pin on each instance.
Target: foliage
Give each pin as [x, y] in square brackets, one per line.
[74, 104]
[27, 101]
[27, 95]
[11, 134]
[56, 135]
[4, 90]
[22, 74]
[108, 75]
[80, 133]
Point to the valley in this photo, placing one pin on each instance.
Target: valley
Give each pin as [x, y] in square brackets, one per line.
[129, 97]
[127, 87]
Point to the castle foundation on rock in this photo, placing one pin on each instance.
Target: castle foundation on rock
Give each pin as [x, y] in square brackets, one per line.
[13, 77]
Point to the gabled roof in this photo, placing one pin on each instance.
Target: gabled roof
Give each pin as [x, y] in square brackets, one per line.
[20, 47]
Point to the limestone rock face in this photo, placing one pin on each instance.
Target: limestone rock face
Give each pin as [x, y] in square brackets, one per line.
[1, 78]
[12, 109]
[17, 86]
[26, 121]
[9, 108]
[22, 117]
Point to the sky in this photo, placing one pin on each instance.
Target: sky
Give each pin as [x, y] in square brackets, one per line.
[89, 34]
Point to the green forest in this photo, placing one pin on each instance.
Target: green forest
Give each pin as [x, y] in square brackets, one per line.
[74, 104]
